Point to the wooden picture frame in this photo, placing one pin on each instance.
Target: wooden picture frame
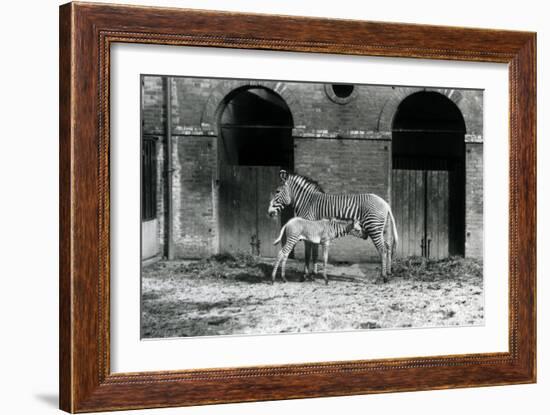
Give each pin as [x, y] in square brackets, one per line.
[86, 33]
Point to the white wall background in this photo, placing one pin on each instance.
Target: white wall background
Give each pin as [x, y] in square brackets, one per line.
[29, 207]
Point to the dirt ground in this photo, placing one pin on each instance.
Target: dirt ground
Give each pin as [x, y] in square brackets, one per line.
[231, 295]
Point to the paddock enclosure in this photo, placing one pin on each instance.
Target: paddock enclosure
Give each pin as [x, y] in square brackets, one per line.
[224, 295]
[212, 150]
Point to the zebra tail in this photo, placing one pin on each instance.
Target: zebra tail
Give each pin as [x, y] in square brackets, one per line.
[280, 235]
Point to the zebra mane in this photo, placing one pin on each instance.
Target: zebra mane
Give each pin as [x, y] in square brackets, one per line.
[308, 181]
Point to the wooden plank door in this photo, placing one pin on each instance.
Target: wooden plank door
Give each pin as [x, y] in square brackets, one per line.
[420, 204]
[237, 210]
[268, 228]
[408, 198]
[437, 189]
[244, 198]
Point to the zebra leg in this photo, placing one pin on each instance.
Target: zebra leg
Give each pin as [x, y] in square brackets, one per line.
[280, 256]
[380, 245]
[388, 242]
[325, 260]
[285, 252]
[283, 266]
[314, 254]
[389, 255]
[307, 249]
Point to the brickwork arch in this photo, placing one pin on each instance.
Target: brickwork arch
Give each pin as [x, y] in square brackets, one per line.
[389, 108]
[223, 92]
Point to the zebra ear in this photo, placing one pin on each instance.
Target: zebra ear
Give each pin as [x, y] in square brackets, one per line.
[283, 174]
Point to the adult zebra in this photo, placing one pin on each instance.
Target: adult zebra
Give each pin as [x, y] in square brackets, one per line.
[309, 201]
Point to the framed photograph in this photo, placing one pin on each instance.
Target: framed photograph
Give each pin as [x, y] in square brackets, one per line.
[258, 207]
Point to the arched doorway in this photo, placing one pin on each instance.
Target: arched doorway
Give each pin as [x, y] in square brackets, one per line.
[255, 142]
[428, 176]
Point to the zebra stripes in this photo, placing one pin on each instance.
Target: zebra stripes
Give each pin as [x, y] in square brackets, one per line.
[319, 232]
[310, 202]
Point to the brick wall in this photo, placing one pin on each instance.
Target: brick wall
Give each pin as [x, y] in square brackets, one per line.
[194, 160]
[154, 105]
[196, 101]
[471, 107]
[189, 98]
[474, 200]
[343, 165]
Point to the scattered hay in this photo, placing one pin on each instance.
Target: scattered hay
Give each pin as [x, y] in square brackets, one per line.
[225, 266]
[423, 269]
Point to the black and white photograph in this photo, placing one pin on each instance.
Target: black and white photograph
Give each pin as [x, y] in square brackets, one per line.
[275, 206]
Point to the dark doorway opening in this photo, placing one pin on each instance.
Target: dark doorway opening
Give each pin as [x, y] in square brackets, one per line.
[256, 129]
[255, 142]
[428, 177]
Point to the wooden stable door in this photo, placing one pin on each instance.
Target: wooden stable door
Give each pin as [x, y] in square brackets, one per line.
[244, 225]
[420, 204]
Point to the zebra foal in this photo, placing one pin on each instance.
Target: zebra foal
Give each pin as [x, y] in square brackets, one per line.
[318, 232]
